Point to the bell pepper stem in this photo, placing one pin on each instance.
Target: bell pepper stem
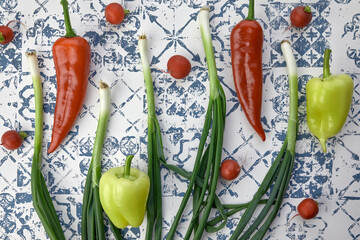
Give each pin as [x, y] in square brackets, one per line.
[326, 67]
[69, 31]
[128, 165]
[251, 10]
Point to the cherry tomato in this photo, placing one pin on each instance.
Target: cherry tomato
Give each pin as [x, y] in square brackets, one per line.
[178, 66]
[308, 208]
[114, 13]
[6, 34]
[230, 169]
[301, 16]
[11, 140]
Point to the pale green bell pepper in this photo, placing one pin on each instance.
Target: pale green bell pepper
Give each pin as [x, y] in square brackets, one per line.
[123, 194]
[328, 102]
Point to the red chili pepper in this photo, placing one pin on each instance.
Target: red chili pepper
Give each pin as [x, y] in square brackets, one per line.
[246, 56]
[72, 64]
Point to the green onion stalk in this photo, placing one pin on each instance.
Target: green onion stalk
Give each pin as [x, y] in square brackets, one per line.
[279, 173]
[92, 224]
[204, 177]
[155, 151]
[222, 217]
[41, 198]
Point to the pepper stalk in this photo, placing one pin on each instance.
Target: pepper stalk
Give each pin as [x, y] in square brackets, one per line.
[41, 198]
[69, 31]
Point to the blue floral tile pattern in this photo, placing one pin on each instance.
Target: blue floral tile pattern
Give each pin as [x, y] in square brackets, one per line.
[332, 178]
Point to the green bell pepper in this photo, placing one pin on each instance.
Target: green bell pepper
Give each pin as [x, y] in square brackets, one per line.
[123, 194]
[328, 102]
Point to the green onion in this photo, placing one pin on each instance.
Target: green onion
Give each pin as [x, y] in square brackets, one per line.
[92, 225]
[207, 164]
[155, 151]
[234, 208]
[41, 198]
[279, 173]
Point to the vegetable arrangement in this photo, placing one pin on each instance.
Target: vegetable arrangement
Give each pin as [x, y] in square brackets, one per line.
[328, 102]
[125, 193]
[41, 198]
[246, 42]
[71, 55]
[155, 150]
[279, 174]
[207, 163]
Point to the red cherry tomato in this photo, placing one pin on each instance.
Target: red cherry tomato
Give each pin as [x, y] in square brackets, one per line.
[7, 34]
[308, 208]
[114, 13]
[230, 169]
[301, 16]
[11, 140]
[178, 66]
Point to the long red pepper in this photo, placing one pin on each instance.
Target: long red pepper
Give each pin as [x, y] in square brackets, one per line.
[246, 56]
[72, 64]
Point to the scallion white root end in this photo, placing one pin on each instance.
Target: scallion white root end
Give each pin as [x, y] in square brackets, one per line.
[104, 94]
[293, 89]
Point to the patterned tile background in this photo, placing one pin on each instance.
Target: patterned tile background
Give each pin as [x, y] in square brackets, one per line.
[332, 179]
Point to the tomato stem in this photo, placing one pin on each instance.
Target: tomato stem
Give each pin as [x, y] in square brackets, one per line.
[126, 11]
[326, 68]
[23, 135]
[251, 10]
[307, 9]
[69, 31]
[2, 37]
[128, 165]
